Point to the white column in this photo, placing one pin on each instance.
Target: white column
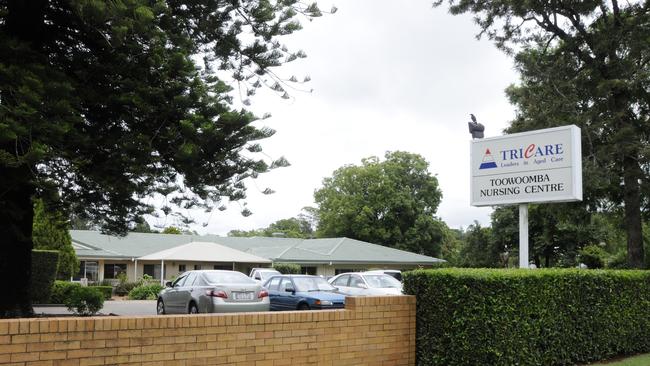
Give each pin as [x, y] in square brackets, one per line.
[135, 271]
[523, 235]
[162, 273]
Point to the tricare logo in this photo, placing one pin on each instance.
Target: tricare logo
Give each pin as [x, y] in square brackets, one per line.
[488, 161]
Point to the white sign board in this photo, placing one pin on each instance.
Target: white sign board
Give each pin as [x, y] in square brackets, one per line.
[535, 166]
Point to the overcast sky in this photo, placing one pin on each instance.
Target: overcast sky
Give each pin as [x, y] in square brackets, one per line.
[385, 75]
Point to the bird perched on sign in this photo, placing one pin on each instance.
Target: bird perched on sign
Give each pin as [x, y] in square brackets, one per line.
[475, 128]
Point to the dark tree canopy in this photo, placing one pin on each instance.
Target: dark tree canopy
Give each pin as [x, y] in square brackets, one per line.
[585, 63]
[104, 103]
[391, 202]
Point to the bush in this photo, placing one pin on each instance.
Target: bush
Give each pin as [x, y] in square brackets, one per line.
[528, 317]
[145, 292]
[287, 268]
[107, 291]
[85, 301]
[593, 256]
[61, 291]
[44, 264]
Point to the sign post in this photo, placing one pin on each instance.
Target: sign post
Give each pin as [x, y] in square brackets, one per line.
[523, 235]
[530, 167]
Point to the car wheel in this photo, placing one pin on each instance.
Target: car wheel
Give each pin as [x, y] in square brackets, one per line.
[193, 309]
[303, 306]
[160, 307]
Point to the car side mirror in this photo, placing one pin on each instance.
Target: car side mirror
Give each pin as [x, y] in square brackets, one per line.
[168, 284]
[289, 289]
[258, 277]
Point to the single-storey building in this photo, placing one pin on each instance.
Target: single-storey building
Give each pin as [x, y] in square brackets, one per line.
[164, 256]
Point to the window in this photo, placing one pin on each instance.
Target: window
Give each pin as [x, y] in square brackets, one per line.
[197, 267]
[222, 266]
[113, 270]
[152, 270]
[356, 281]
[181, 268]
[273, 284]
[190, 279]
[89, 270]
[179, 281]
[286, 285]
[342, 281]
[308, 270]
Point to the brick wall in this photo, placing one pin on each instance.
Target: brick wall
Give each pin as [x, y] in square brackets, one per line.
[370, 331]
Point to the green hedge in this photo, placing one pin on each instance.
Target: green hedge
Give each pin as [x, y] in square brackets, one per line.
[62, 291]
[287, 268]
[44, 264]
[145, 292]
[529, 317]
[85, 301]
[107, 291]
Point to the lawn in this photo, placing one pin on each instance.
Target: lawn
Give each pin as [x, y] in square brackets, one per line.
[640, 360]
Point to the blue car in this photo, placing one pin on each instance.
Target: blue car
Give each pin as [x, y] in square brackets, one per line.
[302, 292]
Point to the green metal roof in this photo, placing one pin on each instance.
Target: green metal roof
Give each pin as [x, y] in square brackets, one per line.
[93, 244]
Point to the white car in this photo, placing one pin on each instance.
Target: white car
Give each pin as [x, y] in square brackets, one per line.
[262, 274]
[366, 284]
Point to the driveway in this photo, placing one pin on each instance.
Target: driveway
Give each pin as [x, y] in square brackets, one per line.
[117, 307]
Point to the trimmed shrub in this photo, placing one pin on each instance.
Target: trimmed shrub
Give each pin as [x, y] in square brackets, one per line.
[287, 268]
[528, 317]
[107, 291]
[85, 301]
[44, 264]
[593, 256]
[62, 291]
[145, 292]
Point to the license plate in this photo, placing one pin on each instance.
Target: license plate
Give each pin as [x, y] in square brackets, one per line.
[243, 296]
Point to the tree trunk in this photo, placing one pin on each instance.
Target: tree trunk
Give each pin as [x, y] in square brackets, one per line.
[16, 216]
[632, 201]
[25, 24]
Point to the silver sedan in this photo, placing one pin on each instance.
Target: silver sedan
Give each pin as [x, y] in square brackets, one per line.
[212, 292]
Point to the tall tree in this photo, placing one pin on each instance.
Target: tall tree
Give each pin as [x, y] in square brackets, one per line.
[584, 62]
[391, 202]
[479, 249]
[51, 231]
[104, 102]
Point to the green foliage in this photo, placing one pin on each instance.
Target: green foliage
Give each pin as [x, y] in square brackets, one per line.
[572, 71]
[107, 291]
[123, 287]
[593, 256]
[287, 268]
[145, 291]
[556, 233]
[62, 291]
[390, 202]
[51, 232]
[287, 228]
[85, 301]
[528, 317]
[172, 230]
[44, 264]
[103, 103]
[479, 249]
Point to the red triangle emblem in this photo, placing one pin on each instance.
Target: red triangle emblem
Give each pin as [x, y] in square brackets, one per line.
[487, 152]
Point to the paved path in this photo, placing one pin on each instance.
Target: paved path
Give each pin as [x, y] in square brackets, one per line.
[118, 307]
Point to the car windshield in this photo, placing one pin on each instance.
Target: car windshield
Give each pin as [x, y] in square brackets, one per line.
[312, 284]
[228, 277]
[382, 281]
[267, 274]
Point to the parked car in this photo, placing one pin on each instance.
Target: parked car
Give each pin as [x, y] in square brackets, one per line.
[261, 275]
[302, 292]
[366, 284]
[212, 292]
[395, 273]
